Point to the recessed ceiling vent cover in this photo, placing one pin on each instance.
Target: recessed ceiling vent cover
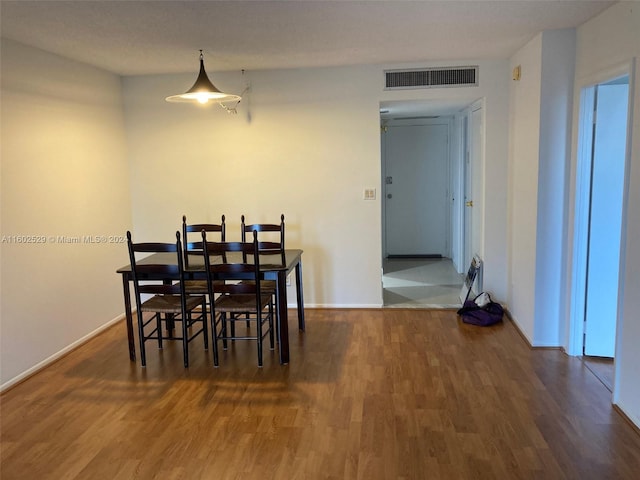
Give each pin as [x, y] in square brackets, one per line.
[431, 78]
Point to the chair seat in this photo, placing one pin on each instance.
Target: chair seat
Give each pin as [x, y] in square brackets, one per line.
[266, 286]
[199, 286]
[169, 304]
[240, 303]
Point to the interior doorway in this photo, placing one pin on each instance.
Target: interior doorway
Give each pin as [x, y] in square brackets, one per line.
[425, 152]
[600, 189]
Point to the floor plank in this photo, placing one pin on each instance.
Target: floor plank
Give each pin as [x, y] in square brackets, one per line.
[369, 394]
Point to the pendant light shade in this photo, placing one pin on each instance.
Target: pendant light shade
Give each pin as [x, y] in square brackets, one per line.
[203, 90]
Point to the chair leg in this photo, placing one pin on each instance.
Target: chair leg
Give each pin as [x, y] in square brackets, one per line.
[259, 352]
[205, 329]
[259, 337]
[223, 320]
[171, 324]
[186, 321]
[214, 336]
[143, 356]
[271, 325]
[274, 299]
[159, 328]
[232, 322]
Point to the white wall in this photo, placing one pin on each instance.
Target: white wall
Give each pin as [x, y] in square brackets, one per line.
[524, 153]
[495, 181]
[64, 173]
[300, 153]
[603, 44]
[556, 108]
[540, 113]
[305, 143]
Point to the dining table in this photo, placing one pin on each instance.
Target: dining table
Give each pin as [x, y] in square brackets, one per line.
[272, 267]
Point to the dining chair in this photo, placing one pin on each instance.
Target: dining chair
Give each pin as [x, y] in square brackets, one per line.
[240, 295]
[270, 242]
[191, 248]
[162, 276]
[276, 236]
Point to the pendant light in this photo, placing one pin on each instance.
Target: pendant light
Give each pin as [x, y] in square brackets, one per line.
[203, 90]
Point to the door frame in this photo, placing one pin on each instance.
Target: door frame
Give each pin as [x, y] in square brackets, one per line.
[605, 218]
[464, 109]
[460, 143]
[581, 206]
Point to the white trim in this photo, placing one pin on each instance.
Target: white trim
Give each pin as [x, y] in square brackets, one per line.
[606, 74]
[623, 233]
[457, 185]
[580, 212]
[56, 356]
[626, 411]
[479, 169]
[581, 220]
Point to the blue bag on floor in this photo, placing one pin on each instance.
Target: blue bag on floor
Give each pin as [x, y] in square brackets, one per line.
[481, 311]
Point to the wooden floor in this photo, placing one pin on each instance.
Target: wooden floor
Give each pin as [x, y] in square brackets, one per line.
[369, 394]
[603, 368]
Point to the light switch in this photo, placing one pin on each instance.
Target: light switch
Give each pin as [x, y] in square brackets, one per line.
[369, 193]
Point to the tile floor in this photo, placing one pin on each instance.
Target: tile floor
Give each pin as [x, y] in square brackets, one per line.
[420, 283]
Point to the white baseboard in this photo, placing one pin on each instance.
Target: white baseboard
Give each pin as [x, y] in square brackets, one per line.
[633, 419]
[334, 305]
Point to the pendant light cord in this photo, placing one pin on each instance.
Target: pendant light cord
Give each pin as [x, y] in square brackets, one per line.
[234, 110]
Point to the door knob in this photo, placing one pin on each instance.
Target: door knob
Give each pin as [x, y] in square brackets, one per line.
[469, 203]
[389, 195]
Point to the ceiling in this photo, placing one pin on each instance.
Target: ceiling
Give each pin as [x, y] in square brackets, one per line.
[130, 37]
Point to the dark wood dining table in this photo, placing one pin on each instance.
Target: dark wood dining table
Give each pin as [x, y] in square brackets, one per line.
[272, 267]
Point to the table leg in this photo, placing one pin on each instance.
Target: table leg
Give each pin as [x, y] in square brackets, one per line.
[299, 296]
[129, 318]
[283, 318]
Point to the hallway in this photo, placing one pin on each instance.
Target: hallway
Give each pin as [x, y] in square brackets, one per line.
[420, 283]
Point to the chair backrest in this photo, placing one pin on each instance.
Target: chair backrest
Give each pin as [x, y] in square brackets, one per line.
[156, 275]
[198, 228]
[275, 244]
[231, 264]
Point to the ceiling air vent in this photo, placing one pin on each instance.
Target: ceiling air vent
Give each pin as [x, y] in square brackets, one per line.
[431, 78]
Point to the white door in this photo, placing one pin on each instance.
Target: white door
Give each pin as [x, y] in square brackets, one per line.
[468, 195]
[607, 184]
[473, 184]
[416, 190]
